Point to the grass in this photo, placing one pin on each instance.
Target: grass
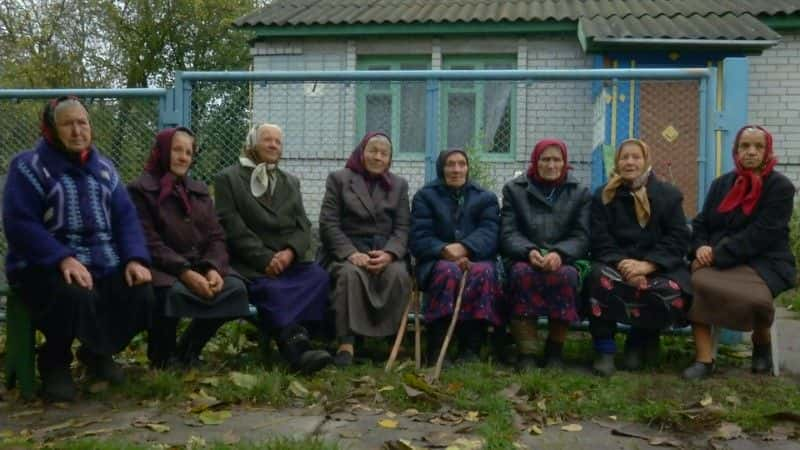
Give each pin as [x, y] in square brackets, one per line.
[279, 443]
[790, 299]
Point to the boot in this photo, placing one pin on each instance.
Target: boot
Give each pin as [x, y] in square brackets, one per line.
[295, 346]
[762, 358]
[502, 347]
[698, 371]
[101, 367]
[58, 385]
[652, 350]
[524, 332]
[436, 332]
[604, 364]
[633, 357]
[471, 336]
[553, 355]
[190, 346]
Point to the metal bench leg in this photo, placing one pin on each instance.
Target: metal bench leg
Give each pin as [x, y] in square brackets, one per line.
[20, 347]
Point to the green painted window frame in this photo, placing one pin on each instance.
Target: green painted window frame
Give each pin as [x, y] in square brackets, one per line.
[479, 61]
[395, 91]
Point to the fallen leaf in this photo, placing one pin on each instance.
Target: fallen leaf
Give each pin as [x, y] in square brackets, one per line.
[158, 427]
[471, 416]
[535, 429]
[366, 379]
[666, 442]
[541, 404]
[298, 389]
[511, 391]
[466, 444]
[728, 431]
[411, 392]
[243, 380]
[230, 438]
[572, 427]
[98, 387]
[706, 401]
[388, 423]
[386, 388]
[350, 434]
[439, 439]
[612, 417]
[57, 427]
[211, 381]
[209, 417]
[411, 412]
[399, 444]
[779, 433]
[30, 412]
[195, 442]
[201, 401]
[99, 431]
[344, 416]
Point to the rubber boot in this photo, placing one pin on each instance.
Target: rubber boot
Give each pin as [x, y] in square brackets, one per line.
[524, 333]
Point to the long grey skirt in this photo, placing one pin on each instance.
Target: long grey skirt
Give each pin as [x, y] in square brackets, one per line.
[369, 304]
[736, 298]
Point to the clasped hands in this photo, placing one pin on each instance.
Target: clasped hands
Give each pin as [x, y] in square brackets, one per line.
[280, 261]
[635, 271]
[374, 260]
[457, 253]
[550, 262]
[205, 286]
[704, 257]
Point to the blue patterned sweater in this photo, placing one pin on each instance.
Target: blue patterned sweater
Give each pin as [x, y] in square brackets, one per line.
[54, 208]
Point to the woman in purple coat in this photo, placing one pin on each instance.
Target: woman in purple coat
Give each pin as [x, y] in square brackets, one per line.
[191, 275]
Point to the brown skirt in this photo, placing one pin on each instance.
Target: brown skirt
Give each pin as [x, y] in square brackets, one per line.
[737, 299]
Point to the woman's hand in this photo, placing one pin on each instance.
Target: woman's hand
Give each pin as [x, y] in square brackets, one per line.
[136, 274]
[454, 252]
[215, 281]
[378, 260]
[632, 268]
[536, 259]
[358, 259]
[74, 271]
[280, 262]
[197, 283]
[552, 262]
[705, 256]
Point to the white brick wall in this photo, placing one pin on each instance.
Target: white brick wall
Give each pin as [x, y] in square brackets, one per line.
[774, 100]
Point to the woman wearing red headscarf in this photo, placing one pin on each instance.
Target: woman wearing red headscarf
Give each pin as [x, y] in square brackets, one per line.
[544, 232]
[187, 245]
[363, 225]
[740, 250]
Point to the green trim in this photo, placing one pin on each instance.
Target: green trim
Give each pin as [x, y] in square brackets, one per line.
[778, 23]
[416, 29]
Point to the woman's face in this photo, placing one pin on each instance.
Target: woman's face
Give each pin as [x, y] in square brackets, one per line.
[751, 149]
[455, 170]
[181, 154]
[550, 164]
[377, 155]
[630, 164]
[73, 127]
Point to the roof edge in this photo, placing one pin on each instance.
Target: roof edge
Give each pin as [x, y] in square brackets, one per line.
[782, 22]
[593, 45]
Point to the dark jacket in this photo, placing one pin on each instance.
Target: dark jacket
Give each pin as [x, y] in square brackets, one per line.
[760, 240]
[531, 222]
[177, 241]
[616, 235]
[256, 229]
[433, 225]
[351, 219]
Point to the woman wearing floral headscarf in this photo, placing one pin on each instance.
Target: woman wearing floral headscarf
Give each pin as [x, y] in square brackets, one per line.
[740, 250]
[545, 232]
[187, 245]
[639, 240]
[363, 225]
[454, 228]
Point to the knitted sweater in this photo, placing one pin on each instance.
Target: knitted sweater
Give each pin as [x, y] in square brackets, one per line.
[54, 207]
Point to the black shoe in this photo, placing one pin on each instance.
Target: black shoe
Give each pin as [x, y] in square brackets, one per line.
[698, 370]
[604, 365]
[762, 358]
[295, 346]
[101, 367]
[633, 357]
[313, 360]
[526, 362]
[553, 355]
[652, 350]
[343, 359]
[57, 385]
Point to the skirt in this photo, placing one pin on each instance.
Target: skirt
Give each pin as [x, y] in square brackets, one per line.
[534, 293]
[231, 302]
[736, 298]
[369, 304]
[481, 292]
[299, 294]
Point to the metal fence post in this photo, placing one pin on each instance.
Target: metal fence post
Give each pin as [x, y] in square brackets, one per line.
[431, 128]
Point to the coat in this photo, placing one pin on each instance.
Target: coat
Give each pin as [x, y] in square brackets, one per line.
[177, 241]
[433, 225]
[530, 222]
[351, 219]
[760, 240]
[616, 234]
[255, 229]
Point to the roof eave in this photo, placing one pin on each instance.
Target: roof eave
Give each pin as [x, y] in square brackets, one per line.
[593, 45]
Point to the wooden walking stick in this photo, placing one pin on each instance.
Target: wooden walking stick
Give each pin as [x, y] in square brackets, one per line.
[401, 332]
[438, 369]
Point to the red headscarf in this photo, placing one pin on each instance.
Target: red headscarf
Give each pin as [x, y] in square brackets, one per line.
[538, 149]
[356, 163]
[47, 126]
[158, 164]
[747, 188]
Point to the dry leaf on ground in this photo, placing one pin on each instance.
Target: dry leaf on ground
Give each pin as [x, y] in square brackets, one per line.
[388, 423]
[157, 427]
[706, 401]
[209, 417]
[243, 380]
[297, 388]
[728, 431]
[572, 427]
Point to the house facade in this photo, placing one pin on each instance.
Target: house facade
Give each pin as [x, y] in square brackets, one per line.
[503, 120]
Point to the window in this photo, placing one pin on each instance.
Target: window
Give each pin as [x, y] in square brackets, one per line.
[396, 108]
[479, 114]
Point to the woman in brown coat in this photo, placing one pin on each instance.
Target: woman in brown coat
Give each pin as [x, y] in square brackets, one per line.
[190, 263]
[363, 225]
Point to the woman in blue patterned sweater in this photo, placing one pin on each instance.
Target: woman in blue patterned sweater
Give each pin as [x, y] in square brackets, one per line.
[76, 252]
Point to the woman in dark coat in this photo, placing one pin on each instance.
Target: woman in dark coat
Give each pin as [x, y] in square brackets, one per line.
[363, 225]
[740, 250]
[639, 240]
[454, 228]
[545, 232]
[187, 246]
[268, 233]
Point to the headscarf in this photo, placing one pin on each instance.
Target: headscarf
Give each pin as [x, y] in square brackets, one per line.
[259, 179]
[638, 187]
[158, 164]
[48, 130]
[442, 159]
[749, 184]
[457, 193]
[536, 154]
[356, 163]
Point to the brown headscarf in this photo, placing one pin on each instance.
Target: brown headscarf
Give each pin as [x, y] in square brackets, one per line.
[638, 187]
[356, 163]
[158, 164]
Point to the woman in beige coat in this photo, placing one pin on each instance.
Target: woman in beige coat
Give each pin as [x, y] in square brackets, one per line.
[363, 225]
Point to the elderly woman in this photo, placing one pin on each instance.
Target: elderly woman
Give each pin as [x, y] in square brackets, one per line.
[268, 233]
[454, 228]
[741, 254]
[639, 239]
[363, 225]
[545, 232]
[187, 246]
[76, 252]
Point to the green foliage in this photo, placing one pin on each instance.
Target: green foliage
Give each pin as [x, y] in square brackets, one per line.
[479, 168]
[794, 233]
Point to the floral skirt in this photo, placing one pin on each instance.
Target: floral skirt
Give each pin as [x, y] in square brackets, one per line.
[481, 292]
[534, 293]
